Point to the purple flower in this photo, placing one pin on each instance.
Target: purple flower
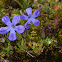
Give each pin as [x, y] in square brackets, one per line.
[30, 17]
[11, 27]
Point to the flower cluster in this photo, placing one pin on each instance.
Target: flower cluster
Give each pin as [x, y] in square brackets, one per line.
[11, 27]
[30, 17]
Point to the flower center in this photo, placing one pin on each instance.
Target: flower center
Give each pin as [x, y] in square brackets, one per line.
[29, 16]
[13, 26]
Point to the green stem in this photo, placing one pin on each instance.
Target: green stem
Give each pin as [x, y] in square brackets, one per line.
[18, 3]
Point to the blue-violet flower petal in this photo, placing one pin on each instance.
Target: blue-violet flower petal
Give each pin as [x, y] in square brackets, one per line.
[29, 11]
[4, 30]
[6, 20]
[15, 19]
[12, 35]
[20, 29]
[23, 17]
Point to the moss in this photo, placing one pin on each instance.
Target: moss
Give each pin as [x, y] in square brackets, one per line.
[37, 44]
